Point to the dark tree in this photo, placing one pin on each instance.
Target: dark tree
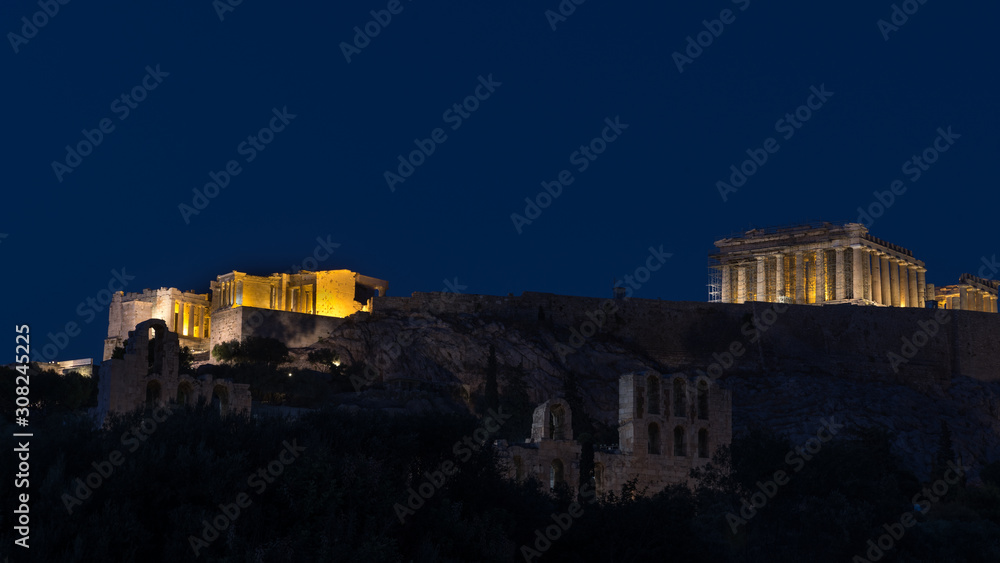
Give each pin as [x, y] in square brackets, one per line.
[326, 358]
[185, 359]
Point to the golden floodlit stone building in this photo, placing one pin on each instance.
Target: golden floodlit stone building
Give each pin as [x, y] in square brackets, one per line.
[201, 321]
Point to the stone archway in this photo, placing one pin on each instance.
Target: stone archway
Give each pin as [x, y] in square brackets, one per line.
[653, 390]
[557, 422]
[185, 393]
[220, 399]
[679, 446]
[599, 478]
[703, 443]
[556, 473]
[680, 396]
[552, 420]
[653, 447]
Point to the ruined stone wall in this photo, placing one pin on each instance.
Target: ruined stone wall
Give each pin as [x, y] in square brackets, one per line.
[651, 408]
[845, 340]
[132, 383]
[126, 311]
[227, 324]
[296, 330]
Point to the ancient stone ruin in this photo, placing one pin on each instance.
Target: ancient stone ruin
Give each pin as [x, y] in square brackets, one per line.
[667, 425]
[971, 293]
[300, 308]
[828, 263]
[818, 264]
[147, 377]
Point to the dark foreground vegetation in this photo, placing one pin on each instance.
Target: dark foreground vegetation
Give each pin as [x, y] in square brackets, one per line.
[333, 486]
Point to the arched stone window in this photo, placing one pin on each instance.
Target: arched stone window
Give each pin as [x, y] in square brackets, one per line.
[220, 399]
[557, 417]
[703, 443]
[679, 449]
[185, 393]
[679, 392]
[703, 400]
[556, 473]
[653, 447]
[653, 385]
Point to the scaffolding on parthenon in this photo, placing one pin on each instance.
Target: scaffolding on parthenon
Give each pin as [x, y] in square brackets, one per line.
[714, 280]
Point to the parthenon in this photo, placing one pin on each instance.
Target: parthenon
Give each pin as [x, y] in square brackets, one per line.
[817, 264]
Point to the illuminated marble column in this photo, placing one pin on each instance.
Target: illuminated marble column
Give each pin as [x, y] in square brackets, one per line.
[904, 284]
[761, 294]
[914, 289]
[858, 273]
[894, 281]
[820, 276]
[726, 285]
[741, 284]
[840, 289]
[779, 277]
[921, 287]
[876, 277]
[800, 278]
[963, 298]
[886, 280]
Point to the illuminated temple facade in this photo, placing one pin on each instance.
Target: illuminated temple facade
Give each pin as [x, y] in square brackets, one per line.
[828, 263]
[972, 293]
[817, 264]
[327, 293]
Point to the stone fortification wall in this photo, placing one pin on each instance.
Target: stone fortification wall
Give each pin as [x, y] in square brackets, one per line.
[296, 330]
[910, 344]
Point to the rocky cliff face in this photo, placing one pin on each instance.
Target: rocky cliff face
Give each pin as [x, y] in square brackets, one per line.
[450, 349]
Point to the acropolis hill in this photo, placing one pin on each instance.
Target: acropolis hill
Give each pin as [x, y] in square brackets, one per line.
[787, 363]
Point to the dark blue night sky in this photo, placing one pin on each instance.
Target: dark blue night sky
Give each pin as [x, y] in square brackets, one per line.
[208, 85]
